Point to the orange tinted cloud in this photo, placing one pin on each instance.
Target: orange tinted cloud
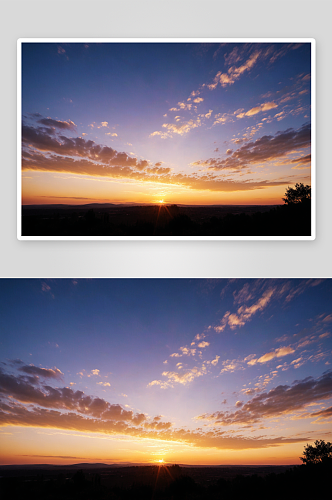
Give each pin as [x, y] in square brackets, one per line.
[43, 151]
[262, 107]
[62, 408]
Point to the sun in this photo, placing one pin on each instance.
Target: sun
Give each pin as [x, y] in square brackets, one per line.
[161, 461]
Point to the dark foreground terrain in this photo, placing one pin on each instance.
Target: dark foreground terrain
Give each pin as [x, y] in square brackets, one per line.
[171, 220]
[104, 482]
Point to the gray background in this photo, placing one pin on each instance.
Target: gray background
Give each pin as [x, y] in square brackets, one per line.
[180, 19]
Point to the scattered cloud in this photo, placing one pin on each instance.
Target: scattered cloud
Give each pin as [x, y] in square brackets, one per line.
[244, 313]
[203, 344]
[234, 72]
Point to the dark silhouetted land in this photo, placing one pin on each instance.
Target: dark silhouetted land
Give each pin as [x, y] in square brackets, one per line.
[103, 482]
[166, 220]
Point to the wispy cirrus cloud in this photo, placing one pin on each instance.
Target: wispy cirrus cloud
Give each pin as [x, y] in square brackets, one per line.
[234, 72]
[244, 313]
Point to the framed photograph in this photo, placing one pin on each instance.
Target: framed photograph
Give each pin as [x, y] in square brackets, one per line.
[166, 139]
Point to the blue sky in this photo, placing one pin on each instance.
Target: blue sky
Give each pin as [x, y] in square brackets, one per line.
[213, 371]
[198, 123]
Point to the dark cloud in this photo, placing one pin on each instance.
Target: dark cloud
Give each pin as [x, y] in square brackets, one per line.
[49, 122]
[302, 159]
[283, 399]
[326, 413]
[39, 139]
[41, 372]
[29, 390]
[283, 50]
[266, 148]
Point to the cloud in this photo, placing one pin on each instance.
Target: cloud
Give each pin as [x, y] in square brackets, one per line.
[62, 125]
[281, 400]
[162, 383]
[277, 353]
[234, 72]
[322, 414]
[233, 57]
[186, 351]
[280, 116]
[95, 372]
[30, 390]
[45, 152]
[182, 106]
[180, 129]
[203, 344]
[264, 149]
[302, 287]
[244, 313]
[283, 51]
[266, 106]
[246, 293]
[198, 99]
[214, 362]
[186, 376]
[45, 287]
[221, 118]
[231, 366]
[62, 408]
[42, 372]
[15, 414]
[302, 160]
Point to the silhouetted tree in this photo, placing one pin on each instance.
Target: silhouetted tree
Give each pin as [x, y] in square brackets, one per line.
[319, 453]
[297, 194]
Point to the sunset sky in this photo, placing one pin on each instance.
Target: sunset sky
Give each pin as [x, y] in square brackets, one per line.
[190, 123]
[184, 371]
